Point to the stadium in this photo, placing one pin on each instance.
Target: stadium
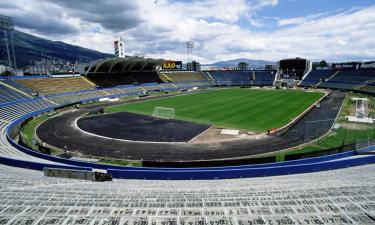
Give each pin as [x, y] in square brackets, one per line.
[136, 140]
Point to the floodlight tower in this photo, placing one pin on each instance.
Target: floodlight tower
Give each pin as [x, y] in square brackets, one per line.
[6, 37]
[119, 47]
[189, 49]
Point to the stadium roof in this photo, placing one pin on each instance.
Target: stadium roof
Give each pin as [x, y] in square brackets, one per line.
[121, 65]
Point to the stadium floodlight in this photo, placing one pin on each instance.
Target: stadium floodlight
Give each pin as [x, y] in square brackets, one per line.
[189, 49]
[163, 112]
[6, 37]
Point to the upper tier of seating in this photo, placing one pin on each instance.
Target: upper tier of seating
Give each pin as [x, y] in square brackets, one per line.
[48, 86]
[181, 76]
[10, 94]
[350, 79]
[107, 81]
[315, 76]
[256, 77]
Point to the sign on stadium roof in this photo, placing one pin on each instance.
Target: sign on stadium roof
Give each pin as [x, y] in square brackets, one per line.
[354, 66]
[172, 65]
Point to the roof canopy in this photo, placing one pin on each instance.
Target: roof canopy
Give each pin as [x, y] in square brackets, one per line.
[121, 65]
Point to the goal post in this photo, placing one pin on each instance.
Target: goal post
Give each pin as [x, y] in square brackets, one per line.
[163, 112]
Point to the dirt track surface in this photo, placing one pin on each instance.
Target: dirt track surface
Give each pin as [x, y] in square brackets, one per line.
[60, 131]
[136, 127]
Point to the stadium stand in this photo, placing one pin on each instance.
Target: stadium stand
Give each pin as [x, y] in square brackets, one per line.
[13, 83]
[9, 94]
[13, 154]
[230, 77]
[341, 196]
[48, 86]
[255, 77]
[332, 197]
[143, 78]
[314, 77]
[181, 76]
[349, 79]
[107, 81]
[110, 80]
[265, 77]
[63, 99]
[10, 113]
[369, 86]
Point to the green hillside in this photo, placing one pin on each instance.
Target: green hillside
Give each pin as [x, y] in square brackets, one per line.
[29, 47]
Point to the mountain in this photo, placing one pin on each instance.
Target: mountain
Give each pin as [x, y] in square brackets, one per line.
[28, 47]
[251, 62]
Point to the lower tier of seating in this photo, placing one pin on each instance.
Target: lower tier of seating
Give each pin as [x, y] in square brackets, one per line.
[255, 77]
[316, 76]
[343, 196]
[182, 76]
[352, 79]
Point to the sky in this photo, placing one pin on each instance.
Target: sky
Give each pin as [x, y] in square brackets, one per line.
[333, 30]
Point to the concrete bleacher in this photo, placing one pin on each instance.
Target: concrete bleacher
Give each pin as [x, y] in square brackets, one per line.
[265, 77]
[343, 196]
[15, 111]
[48, 86]
[9, 114]
[349, 79]
[18, 86]
[110, 81]
[181, 76]
[230, 77]
[248, 77]
[316, 76]
[9, 94]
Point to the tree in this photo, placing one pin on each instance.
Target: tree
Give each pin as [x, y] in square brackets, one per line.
[323, 63]
[243, 66]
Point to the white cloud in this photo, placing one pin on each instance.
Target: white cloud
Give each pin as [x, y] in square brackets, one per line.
[161, 28]
[298, 20]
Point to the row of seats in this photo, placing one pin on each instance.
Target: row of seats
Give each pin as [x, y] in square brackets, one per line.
[9, 114]
[19, 86]
[349, 79]
[346, 79]
[48, 86]
[256, 77]
[344, 196]
[108, 81]
[316, 76]
[181, 76]
[51, 86]
[10, 94]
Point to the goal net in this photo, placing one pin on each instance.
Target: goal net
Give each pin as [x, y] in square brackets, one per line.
[163, 112]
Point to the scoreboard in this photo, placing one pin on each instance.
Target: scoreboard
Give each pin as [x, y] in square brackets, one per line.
[172, 65]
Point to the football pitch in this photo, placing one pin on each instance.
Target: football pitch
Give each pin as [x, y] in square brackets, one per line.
[249, 109]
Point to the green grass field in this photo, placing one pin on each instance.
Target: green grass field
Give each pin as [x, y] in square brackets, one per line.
[250, 109]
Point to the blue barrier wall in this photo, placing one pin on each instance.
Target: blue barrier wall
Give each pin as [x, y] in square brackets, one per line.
[238, 173]
[37, 165]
